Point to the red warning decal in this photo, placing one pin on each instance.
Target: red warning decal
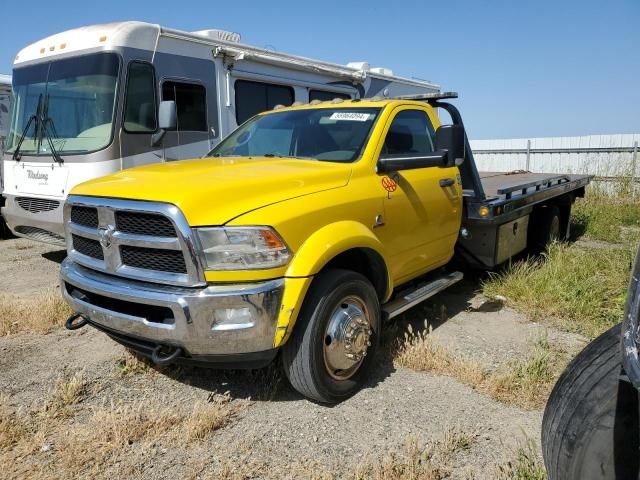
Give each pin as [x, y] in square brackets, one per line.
[389, 184]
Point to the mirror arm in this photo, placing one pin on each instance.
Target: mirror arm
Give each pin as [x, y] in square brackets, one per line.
[435, 159]
[157, 137]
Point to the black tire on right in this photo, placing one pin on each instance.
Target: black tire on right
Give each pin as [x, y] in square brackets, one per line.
[591, 427]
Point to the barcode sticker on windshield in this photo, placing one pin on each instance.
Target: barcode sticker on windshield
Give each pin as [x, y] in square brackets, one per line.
[350, 116]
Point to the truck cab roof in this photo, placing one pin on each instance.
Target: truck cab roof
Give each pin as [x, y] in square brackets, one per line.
[354, 103]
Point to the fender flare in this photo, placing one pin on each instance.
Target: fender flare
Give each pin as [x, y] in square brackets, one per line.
[330, 241]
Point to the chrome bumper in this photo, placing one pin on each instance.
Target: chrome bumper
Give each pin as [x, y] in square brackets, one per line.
[42, 226]
[194, 319]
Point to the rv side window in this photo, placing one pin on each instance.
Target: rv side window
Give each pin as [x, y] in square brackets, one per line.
[140, 103]
[324, 96]
[256, 97]
[191, 104]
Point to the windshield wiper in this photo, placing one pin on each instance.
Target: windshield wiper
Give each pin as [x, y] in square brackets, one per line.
[32, 118]
[45, 130]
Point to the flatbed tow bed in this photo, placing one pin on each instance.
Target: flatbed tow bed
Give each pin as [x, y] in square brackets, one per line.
[499, 207]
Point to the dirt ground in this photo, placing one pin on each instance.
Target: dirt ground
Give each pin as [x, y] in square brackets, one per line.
[274, 433]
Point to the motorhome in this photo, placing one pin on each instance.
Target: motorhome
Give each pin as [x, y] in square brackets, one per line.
[87, 101]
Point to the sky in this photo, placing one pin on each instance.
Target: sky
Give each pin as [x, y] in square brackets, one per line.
[522, 68]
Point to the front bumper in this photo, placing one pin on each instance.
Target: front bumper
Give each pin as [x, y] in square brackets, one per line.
[44, 226]
[197, 320]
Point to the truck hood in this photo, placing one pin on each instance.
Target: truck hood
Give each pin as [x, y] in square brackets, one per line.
[213, 191]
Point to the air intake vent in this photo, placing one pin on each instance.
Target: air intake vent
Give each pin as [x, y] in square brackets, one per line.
[40, 235]
[37, 205]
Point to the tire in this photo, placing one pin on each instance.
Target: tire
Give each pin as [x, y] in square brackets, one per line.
[4, 230]
[591, 428]
[546, 224]
[305, 358]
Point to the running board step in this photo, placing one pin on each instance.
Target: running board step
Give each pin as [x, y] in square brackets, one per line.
[411, 298]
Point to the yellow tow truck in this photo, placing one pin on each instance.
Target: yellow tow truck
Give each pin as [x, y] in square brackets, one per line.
[297, 237]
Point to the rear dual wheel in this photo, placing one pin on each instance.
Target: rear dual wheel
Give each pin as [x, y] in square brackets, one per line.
[335, 338]
[547, 224]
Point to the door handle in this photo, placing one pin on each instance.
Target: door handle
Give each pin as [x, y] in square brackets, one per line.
[446, 182]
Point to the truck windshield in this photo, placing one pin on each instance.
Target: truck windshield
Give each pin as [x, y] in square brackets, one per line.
[79, 96]
[331, 134]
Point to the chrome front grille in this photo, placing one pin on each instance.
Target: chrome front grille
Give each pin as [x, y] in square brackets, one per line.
[144, 224]
[88, 247]
[85, 216]
[37, 205]
[153, 259]
[141, 240]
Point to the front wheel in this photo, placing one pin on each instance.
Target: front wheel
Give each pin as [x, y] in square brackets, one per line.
[335, 338]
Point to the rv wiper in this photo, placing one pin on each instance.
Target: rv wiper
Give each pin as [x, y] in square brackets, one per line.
[46, 120]
[33, 118]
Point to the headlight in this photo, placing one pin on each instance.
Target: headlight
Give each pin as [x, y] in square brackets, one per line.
[242, 248]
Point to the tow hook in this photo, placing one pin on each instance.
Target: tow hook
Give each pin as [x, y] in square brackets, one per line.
[72, 324]
[166, 357]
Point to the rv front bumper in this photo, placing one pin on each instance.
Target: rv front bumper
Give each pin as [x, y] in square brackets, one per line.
[223, 324]
[37, 219]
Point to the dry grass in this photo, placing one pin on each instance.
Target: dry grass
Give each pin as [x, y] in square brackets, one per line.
[131, 364]
[12, 428]
[113, 436]
[526, 466]
[417, 462]
[528, 383]
[112, 432]
[38, 315]
[418, 352]
[525, 383]
[68, 390]
[570, 287]
[208, 417]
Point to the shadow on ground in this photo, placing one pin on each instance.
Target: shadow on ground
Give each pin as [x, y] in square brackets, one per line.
[269, 384]
[56, 256]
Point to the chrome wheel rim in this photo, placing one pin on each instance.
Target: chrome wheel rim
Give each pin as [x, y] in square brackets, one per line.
[347, 338]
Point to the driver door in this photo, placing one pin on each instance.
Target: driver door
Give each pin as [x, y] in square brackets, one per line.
[423, 212]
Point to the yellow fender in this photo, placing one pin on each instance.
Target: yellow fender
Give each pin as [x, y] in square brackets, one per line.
[314, 254]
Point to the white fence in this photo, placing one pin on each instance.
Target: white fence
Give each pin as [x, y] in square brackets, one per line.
[608, 157]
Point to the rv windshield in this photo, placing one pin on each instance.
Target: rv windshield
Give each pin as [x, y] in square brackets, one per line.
[331, 134]
[79, 100]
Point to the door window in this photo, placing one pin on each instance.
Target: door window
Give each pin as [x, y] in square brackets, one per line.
[191, 104]
[140, 103]
[410, 135]
[255, 97]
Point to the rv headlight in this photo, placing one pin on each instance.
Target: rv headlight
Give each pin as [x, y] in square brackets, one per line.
[242, 248]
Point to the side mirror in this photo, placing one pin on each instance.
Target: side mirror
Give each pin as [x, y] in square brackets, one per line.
[167, 120]
[450, 149]
[451, 139]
